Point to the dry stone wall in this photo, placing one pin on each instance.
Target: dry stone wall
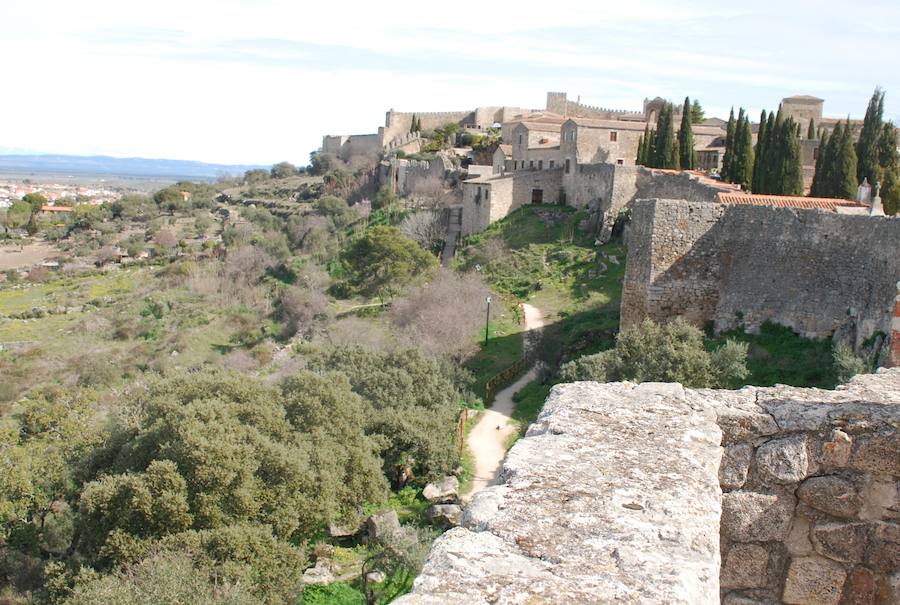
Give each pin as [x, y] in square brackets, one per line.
[814, 271]
[652, 493]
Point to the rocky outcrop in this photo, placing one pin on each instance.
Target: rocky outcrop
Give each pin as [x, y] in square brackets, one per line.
[616, 495]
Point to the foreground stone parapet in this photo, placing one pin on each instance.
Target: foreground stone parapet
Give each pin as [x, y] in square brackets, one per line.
[611, 497]
[616, 495]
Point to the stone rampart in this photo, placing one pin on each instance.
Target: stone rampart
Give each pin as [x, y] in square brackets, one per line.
[624, 493]
[816, 272]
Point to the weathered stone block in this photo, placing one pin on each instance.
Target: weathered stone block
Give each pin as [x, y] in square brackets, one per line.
[879, 453]
[382, 524]
[734, 465]
[745, 567]
[845, 542]
[831, 494]
[859, 589]
[783, 460]
[798, 542]
[836, 451]
[755, 517]
[814, 581]
[883, 554]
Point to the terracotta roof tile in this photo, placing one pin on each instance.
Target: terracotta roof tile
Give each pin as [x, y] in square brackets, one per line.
[787, 201]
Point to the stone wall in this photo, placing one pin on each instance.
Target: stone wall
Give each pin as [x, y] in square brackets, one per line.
[810, 505]
[486, 200]
[816, 272]
[623, 493]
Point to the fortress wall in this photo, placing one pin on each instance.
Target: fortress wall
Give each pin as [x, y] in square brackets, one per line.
[814, 271]
[652, 493]
[397, 123]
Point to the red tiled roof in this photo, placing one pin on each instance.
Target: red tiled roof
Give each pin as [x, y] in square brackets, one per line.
[55, 209]
[787, 201]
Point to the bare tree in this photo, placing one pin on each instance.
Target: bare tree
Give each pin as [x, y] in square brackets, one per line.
[445, 316]
[165, 239]
[303, 311]
[425, 227]
[432, 192]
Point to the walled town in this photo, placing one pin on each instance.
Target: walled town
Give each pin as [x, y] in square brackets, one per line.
[501, 355]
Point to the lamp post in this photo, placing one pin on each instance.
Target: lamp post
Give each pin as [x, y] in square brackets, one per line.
[487, 319]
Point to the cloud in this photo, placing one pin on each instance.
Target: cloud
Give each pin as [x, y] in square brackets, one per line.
[241, 81]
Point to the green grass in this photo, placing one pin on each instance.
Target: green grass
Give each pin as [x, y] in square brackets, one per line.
[779, 356]
[504, 348]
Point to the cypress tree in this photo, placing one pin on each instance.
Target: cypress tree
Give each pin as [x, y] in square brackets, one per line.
[639, 158]
[745, 155]
[826, 183]
[729, 142]
[846, 166]
[665, 155]
[816, 190]
[890, 190]
[686, 138]
[644, 147]
[758, 178]
[888, 157]
[412, 126]
[811, 131]
[792, 166]
[867, 146]
[650, 151]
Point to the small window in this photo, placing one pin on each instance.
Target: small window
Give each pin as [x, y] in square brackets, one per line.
[568, 166]
[620, 162]
[816, 153]
[551, 164]
[520, 139]
[487, 194]
[540, 164]
[613, 136]
[531, 164]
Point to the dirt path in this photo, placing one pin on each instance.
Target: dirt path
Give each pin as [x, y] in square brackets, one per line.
[485, 441]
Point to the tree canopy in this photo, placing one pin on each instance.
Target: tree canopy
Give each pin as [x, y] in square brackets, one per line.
[383, 262]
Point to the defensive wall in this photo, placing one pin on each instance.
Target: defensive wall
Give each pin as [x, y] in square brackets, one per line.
[816, 272]
[652, 493]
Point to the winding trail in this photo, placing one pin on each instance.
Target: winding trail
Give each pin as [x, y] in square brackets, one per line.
[485, 441]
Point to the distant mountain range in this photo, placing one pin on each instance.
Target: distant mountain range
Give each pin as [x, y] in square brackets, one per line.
[105, 165]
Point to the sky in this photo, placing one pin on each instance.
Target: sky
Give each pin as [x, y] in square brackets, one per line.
[257, 82]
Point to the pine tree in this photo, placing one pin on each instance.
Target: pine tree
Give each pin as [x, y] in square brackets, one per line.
[759, 154]
[867, 146]
[816, 190]
[697, 113]
[811, 131]
[728, 160]
[844, 181]
[686, 138]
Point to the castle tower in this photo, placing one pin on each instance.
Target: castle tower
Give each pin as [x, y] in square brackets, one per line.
[557, 103]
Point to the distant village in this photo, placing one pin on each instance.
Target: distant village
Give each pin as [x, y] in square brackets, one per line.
[58, 194]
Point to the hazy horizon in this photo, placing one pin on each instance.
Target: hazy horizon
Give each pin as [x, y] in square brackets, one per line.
[237, 82]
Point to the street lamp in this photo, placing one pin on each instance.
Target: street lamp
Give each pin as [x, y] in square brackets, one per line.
[487, 319]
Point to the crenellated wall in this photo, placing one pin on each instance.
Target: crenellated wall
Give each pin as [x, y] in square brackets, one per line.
[652, 493]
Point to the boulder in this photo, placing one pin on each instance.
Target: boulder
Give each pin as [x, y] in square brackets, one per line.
[376, 577]
[344, 530]
[319, 574]
[381, 525]
[783, 460]
[831, 494]
[814, 581]
[445, 515]
[442, 492]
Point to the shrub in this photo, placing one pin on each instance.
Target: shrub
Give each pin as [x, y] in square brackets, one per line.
[847, 363]
[672, 352]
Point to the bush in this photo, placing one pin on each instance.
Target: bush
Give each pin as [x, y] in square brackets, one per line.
[672, 352]
[383, 262]
[847, 363]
